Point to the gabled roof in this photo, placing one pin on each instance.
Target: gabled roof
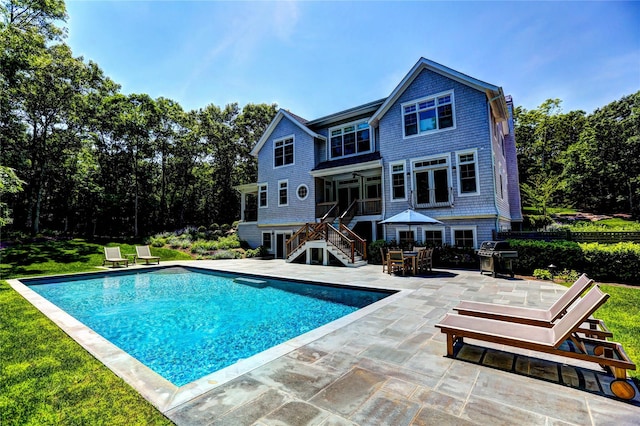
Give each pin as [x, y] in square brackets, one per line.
[494, 93]
[299, 121]
[368, 108]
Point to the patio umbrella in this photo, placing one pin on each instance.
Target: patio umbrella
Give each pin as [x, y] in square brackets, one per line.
[410, 217]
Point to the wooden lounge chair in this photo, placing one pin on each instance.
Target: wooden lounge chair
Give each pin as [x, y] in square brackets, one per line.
[564, 332]
[112, 255]
[396, 261]
[144, 253]
[532, 316]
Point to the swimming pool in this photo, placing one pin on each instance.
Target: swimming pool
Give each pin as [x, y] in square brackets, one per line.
[185, 322]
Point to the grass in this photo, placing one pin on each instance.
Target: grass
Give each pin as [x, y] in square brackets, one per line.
[65, 257]
[46, 378]
[604, 225]
[620, 313]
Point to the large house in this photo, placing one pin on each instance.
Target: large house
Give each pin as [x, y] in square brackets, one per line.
[442, 143]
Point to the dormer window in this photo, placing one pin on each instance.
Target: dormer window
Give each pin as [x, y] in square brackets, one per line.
[428, 114]
[350, 139]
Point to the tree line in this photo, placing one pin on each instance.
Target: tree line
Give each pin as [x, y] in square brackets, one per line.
[79, 156]
[586, 161]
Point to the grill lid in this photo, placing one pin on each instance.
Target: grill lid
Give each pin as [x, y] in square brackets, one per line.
[495, 246]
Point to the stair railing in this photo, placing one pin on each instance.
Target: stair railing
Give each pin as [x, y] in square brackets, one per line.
[345, 240]
[359, 244]
[349, 213]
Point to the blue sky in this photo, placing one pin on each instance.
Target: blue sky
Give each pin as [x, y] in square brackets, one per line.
[317, 58]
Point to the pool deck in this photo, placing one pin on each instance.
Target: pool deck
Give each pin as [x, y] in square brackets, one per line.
[388, 365]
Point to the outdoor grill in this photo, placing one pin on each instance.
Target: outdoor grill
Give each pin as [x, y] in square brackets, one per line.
[496, 257]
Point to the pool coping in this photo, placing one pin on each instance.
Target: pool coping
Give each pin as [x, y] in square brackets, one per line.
[160, 392]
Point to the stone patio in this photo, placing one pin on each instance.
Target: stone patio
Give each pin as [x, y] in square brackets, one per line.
[389, 366]
[385, 365]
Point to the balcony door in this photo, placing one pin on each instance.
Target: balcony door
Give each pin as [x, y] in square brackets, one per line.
[431, 183]
[348, 191]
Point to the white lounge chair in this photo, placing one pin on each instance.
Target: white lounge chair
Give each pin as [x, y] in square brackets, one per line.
[112, 255]
[144, 253]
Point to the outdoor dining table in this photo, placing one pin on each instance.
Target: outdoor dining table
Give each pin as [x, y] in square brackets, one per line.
[413, 256]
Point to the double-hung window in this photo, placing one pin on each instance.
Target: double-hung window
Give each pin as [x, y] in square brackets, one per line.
[398, 191]
[463, 237]
[428, 114]
[468, 173]
[283, 193]
[266, 240]
[262, 195]
[352, 139]
[431, 178]
[433, 237]
[283, 152]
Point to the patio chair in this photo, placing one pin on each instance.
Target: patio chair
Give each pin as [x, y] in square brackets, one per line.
[531, 316]
[396, 262]
[425, 260]
[383, 258]
[144, 253]
[112, 255]
[562, 338]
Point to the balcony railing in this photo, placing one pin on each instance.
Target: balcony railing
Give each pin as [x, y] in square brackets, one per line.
[369, 206]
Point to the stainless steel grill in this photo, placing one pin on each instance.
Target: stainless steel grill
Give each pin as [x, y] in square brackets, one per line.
[496, 257]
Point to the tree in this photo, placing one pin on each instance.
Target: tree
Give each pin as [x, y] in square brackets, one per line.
[9, 184]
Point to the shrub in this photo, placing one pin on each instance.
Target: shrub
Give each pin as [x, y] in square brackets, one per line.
[603, 262]
[542, 274]
[214, 227]
[533, 255]
[225, 227]
[227, 254]
[157, 241]
[259, 251]
[612, 262]
[228, 242]
[373, 251]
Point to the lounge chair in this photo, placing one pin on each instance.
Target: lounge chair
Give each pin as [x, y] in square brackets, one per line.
[112, 255]
[144, 253]
[565, 331]
[531, 316]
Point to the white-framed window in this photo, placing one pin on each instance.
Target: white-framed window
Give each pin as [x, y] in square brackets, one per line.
[397, 181]
[283, 151]
[266, 240]
[468, 173]
[302, 192]
[431, 181]
[429, 114]
[283, 193]
[406, 236]
[350, 139]
[262, 195]
[433, 236]
[464, 236]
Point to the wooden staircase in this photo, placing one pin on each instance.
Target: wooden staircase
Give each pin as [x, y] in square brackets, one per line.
[343, 243]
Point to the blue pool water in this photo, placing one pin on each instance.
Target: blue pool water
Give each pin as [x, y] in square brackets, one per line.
[185, 323]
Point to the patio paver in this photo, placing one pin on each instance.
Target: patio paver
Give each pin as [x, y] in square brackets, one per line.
[389, 366]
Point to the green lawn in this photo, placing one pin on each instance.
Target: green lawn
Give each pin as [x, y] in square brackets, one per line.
[46, 378]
